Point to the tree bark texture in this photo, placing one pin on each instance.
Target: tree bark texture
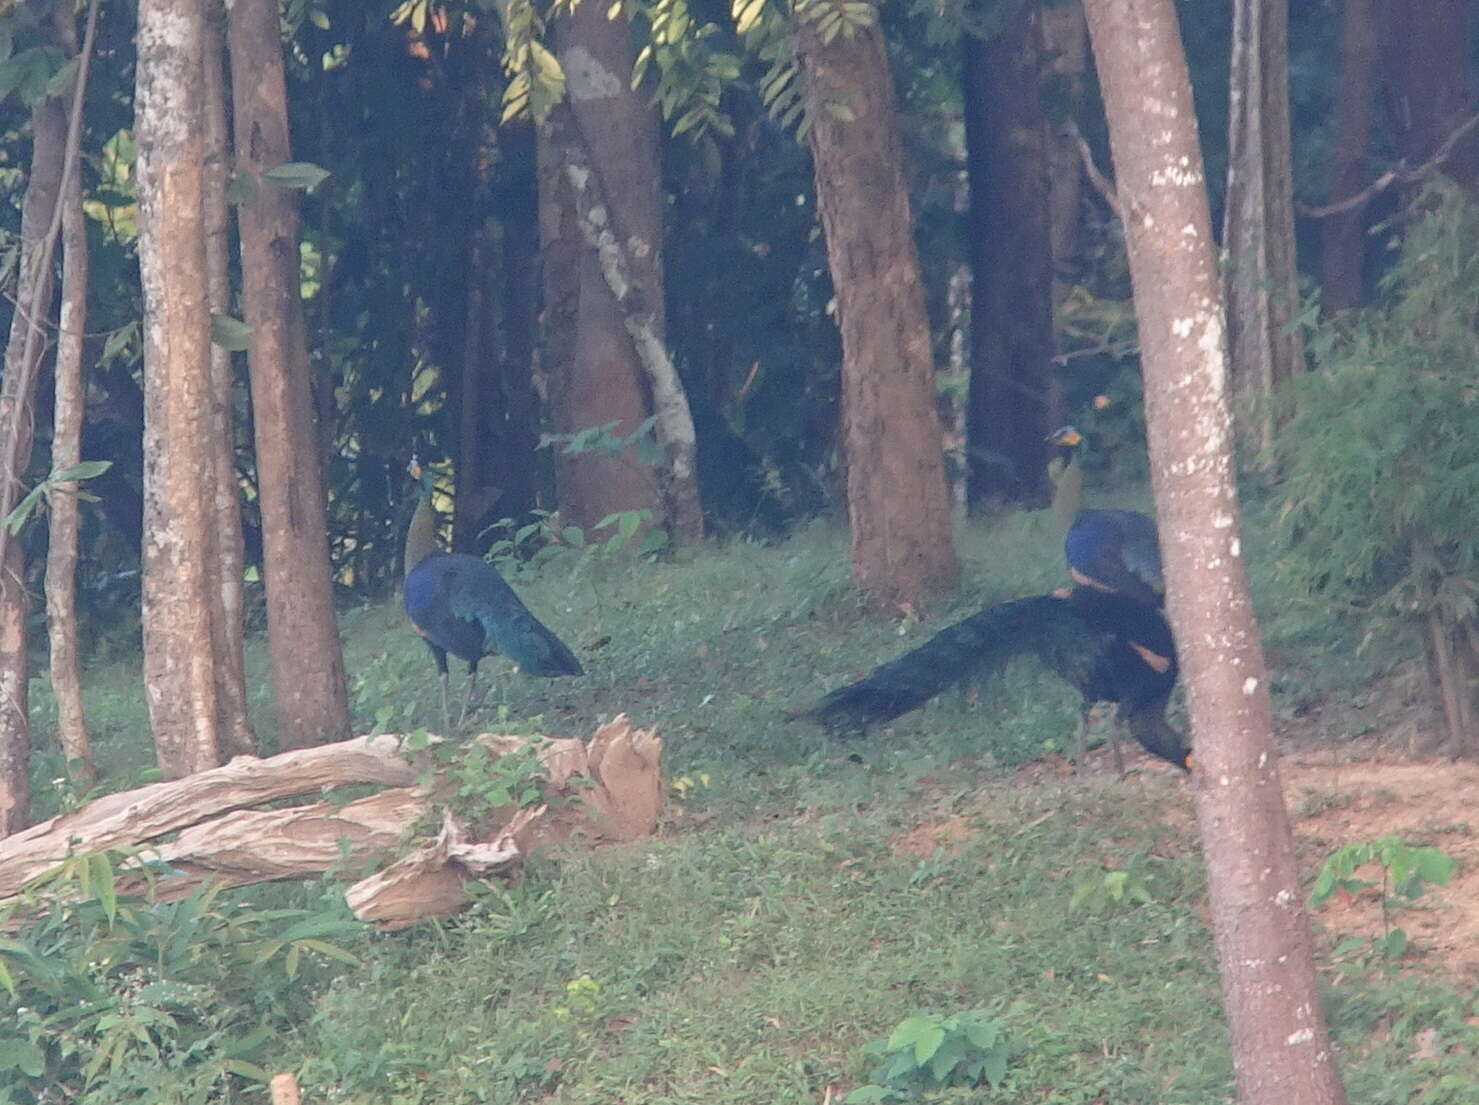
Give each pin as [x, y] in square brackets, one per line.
[1010, 251]
[227, 548]
[1343, 236]
[897, 501]
[1261, 285]
[179, 668]
[23, 354]
[597, 377]
[308, 684]
[1428, 52]
[1280, 1044]
[66, 450]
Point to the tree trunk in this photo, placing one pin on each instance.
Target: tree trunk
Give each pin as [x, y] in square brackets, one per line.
[609, 129]
[1066, 47]
[1262, 291]
[1429, 59]
[897, 502]
[1343, 244]
[179, 671]
[1281, 1047]
[23, 354]
[1010, 250]
[227, 550]
[308, 684]
[66, 450]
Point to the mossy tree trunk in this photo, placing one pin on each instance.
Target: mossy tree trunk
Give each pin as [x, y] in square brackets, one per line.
[1343, 235]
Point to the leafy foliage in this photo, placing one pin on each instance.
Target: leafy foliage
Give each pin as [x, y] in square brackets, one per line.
[1405, 873]
[118, 997]
[930, 1051]
[1380, 459]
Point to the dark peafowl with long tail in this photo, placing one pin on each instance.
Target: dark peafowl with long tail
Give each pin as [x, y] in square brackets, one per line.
[1108, 550]
[1108, 647]
[461, 605]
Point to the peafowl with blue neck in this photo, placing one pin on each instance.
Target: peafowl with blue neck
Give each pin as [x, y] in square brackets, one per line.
[462, 606]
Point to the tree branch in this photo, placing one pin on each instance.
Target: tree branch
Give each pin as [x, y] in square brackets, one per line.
[1399, 175]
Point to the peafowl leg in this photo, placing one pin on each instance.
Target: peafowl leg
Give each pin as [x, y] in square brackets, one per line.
[472, 678]
[446, 711]
[1081, 735]
[1114, 741]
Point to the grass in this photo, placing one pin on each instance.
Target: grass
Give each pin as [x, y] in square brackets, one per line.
[777, 926]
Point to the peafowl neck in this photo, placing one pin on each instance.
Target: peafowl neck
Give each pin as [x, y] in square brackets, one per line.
[421, 535]
[1068, 493]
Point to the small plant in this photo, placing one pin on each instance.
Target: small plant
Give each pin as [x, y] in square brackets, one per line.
[932, 1052]
[1405, 873]
[1110, 891]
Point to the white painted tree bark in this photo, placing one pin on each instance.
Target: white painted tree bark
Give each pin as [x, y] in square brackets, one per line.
[179, 477]
[1280, 1043]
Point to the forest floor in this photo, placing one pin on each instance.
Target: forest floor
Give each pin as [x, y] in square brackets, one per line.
[807, 894]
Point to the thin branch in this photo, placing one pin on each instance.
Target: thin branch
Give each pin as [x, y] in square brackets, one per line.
[1102, 184]
[1399, 175]
[10, 479]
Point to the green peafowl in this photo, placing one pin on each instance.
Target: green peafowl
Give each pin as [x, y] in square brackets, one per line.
[460, 604]
[1109, 647]
[1109, 550]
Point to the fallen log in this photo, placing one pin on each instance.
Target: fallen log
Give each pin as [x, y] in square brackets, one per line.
[605, 789]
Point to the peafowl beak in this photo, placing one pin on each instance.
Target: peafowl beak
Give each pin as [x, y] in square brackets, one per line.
[1066, 436]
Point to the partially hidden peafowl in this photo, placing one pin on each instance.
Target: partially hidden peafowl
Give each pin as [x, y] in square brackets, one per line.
[1108, 647]
[1109, 550]
[461, 605]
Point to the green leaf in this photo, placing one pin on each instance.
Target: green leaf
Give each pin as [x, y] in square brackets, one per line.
[103, 884]
[22, 1055]
[994, 1066]
[85, 470]
[867, 1095]
[230, 333]
[297, 174]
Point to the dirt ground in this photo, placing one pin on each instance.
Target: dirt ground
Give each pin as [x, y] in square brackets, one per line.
[1337, 794]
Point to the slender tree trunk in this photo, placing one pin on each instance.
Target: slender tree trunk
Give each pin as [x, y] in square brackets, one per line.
[1281, 1047]
[1010, 252]
[23, 355]
[1258, 231]
[896, 496]
[1066, 46]
[179, 669]
[66, 450]
[308, 683]
[1343, 244]
[227, 551]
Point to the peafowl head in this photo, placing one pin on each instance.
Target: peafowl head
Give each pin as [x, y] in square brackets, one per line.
[1067, 476]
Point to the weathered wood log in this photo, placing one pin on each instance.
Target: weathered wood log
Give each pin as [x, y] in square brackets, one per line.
[221, 839]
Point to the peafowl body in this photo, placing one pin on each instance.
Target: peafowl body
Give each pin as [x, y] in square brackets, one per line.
[461, 605]
[1108, 647]
[1108, 550]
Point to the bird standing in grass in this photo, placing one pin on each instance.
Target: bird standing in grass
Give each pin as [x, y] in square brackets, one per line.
[1108, 550]
[1108, 647]
[460, 604]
